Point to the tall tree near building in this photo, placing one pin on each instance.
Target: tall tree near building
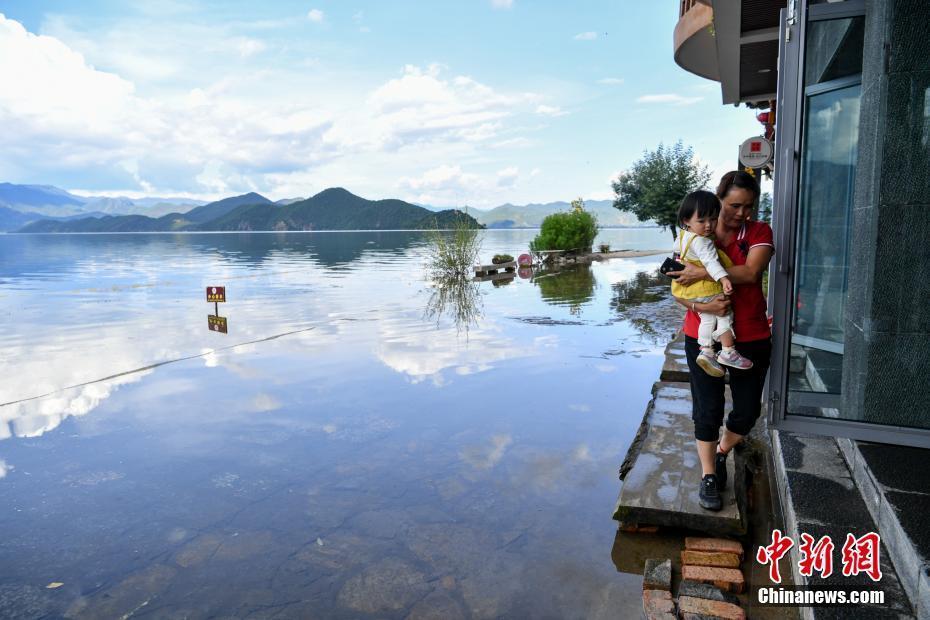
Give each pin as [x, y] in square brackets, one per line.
[765, 208]
[653, 187]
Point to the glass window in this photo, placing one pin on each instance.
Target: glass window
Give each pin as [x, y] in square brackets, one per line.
[825, 203]
[834, 49]
[830, 139]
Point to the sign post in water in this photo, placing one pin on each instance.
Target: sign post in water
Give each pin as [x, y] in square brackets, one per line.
[215, 322]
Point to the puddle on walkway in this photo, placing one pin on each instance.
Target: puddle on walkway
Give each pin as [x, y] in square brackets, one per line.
[339, 453]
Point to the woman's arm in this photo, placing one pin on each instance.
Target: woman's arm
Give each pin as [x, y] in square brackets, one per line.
[751, 273]
[756, 263]
[719, 305]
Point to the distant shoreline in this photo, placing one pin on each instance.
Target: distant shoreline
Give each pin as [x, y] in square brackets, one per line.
[288, 232]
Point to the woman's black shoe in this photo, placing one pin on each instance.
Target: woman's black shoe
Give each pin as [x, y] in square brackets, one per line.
[709, 496]
[720, 466]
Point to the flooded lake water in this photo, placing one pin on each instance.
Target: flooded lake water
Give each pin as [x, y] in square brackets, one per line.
[348, 449]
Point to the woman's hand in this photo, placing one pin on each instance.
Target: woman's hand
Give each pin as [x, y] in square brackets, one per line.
[719, 305]
[690, 274]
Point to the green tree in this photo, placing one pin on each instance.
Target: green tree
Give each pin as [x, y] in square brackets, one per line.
[765, 208]
[653, 187]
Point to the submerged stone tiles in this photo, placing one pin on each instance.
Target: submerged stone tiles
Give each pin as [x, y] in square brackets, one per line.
[661, 474]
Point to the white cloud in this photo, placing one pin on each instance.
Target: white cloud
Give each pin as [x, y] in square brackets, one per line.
[508, 176]
[550, 110]
[518, 142]
[61, 113]
[250, 47]
[441, 178]
[315, 15]
[132, 167]
[610, 81]
[502, 4]
[451, 185]
[669, 98]
[586, 36]
[423, 106]
[4, 468]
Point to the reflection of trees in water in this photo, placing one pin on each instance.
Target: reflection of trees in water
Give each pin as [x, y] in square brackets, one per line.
[646, 303]
[569, 286]
[457, 298]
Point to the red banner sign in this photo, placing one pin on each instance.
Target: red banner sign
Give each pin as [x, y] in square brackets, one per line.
[216, 293]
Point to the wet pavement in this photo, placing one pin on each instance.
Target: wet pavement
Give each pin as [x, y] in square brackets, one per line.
[348, 449]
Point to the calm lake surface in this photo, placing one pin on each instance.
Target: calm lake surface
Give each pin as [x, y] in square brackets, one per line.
[348, 449]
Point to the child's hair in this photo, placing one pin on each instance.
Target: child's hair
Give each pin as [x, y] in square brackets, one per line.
[704, 203]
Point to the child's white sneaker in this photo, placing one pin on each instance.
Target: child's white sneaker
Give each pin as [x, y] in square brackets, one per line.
[708, 364]
[733, 359]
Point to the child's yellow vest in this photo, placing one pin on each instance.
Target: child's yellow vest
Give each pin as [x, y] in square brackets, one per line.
[703, 288]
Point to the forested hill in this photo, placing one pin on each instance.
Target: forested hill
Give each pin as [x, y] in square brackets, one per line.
[331, 209]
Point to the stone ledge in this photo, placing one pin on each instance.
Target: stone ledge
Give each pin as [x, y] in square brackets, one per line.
[813, 480]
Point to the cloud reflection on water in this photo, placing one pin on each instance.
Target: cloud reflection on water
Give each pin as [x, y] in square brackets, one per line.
[487, 456]
[33, 418]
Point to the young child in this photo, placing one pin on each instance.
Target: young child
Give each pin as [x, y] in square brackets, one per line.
[697, 217]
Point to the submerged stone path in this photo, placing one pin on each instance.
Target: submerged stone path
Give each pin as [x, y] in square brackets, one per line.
[661, 473]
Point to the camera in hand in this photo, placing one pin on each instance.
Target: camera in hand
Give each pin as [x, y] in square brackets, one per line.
[670, 264]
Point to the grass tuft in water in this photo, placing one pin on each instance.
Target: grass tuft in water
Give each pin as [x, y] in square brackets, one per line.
[453, 253]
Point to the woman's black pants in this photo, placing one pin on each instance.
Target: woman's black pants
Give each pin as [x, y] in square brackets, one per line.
[745, 389]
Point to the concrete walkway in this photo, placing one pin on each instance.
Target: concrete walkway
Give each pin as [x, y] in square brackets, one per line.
[661, 473]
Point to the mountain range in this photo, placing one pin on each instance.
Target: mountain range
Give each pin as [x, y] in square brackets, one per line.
[331, 209]
[22, 205]
[532, 215]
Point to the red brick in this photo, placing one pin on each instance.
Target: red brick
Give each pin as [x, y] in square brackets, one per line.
[661, 615]
[634, 528]
[718, 545]
[715, 609]
[708, 558]
[730, 579]
[658, 601]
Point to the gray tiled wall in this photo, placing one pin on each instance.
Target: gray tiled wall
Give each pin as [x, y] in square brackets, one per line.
[886, 374]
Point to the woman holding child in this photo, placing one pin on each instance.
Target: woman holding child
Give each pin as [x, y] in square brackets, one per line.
[735, 317]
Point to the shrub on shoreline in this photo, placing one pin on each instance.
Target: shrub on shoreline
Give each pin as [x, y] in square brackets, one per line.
[574, 230]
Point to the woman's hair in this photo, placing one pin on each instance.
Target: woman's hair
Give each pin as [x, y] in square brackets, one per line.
[702, 202]
[740, 179]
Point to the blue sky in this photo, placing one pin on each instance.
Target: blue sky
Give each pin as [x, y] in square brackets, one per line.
[475, 102]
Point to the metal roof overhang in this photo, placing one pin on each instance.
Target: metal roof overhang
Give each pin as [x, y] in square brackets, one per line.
[746, 35]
